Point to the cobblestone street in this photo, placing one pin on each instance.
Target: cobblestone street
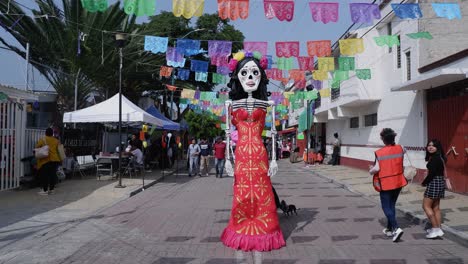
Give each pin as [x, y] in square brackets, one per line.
[180, 219]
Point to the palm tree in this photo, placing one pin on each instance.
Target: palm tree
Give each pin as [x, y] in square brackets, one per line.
[70, 45]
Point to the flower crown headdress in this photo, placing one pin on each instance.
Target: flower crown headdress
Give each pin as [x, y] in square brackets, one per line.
[241, 55]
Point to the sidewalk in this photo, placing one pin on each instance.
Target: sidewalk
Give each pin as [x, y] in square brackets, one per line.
[454, 207]
[73, 199]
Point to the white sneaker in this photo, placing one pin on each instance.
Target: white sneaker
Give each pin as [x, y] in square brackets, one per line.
[43, 193]
[428, 230]
[435, 232]
[387, 232]
[397, 234]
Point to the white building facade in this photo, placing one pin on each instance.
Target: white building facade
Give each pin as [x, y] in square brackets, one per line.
[397, 96]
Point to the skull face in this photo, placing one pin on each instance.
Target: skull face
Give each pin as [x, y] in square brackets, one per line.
[249, 77]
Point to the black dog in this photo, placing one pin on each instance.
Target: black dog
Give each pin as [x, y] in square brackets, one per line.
[288, 208]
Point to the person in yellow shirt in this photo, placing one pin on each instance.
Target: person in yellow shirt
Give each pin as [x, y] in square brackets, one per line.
[48, 166]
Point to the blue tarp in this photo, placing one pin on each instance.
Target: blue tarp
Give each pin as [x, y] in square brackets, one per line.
[167, 123]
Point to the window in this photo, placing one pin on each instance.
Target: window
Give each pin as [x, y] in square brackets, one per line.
[398, 50]
[389, 32]
[370, 120]
[408, 65]
[335, 94]
[354, 122]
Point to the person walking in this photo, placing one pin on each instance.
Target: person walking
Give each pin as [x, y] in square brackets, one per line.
[336, 150]
[205, 154]
[435, 186]
[220, 155]
[48, 166]
[389, 179]
[192, 155]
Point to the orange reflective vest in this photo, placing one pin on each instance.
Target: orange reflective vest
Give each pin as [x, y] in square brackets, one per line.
[390, 175]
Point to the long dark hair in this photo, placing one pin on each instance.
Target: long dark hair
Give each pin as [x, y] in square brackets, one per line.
[237, 92]
[440, 150]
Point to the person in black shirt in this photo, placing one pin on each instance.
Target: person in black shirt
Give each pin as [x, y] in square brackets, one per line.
[136, 142]
[435, 186]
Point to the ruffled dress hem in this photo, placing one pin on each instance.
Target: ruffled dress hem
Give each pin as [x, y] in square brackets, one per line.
[267, 242]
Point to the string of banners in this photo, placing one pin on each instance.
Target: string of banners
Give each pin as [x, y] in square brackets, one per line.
[214, 101]
[287, 64]
[283, 10]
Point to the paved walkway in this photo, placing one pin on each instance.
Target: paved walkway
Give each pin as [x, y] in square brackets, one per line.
[454, 206]
[180, 219]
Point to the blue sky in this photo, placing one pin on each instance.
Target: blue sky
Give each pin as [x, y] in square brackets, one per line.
[255, 28]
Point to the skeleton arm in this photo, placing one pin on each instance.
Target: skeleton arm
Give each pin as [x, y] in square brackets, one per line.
[227, 164]
[273, 165]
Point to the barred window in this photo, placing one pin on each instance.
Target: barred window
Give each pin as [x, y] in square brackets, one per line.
[354, 122]
[408, 65]
[399, 54]
[370, 120]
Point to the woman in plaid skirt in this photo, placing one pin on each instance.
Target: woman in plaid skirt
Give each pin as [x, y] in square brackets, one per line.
[435, 186]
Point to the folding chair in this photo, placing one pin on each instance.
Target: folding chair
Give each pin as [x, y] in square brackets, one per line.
[103, 168]
[77, 169]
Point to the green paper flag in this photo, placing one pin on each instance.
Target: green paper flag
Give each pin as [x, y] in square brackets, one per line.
[152, 130]
[389, 40]
[300, 136]
[303, 121]
[285, 63]
[311, 95]
[94, 5]
[346, 63]
[140, 7]
[335, 84]
[3, 97]
[419, 35]
[217, 78]
[363, 74]
[340, 75]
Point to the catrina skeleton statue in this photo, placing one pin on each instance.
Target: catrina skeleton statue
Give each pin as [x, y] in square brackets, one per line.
[253, 225]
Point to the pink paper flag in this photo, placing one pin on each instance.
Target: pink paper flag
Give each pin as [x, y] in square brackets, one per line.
[324, 12]
[287, 49]
[281, 9]
[259, 46]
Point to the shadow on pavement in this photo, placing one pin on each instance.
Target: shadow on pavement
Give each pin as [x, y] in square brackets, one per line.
[296, 223]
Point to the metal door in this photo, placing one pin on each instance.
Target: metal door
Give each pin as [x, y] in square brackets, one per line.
[448, 122]
[9, 156]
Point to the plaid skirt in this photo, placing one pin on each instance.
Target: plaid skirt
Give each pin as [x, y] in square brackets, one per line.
[436, 188]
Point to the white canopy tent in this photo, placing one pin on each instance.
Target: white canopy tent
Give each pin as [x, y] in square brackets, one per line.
[108, 112]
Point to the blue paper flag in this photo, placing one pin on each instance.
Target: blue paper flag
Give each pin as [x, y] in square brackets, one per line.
[183, 74]
[407, 11]
[447, 10]
[188, 47]
[156, 44]
[199, 66]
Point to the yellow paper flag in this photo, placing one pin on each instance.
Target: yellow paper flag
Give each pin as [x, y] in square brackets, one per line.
[287, 94]
[324, 93]
[351, 46]
[187, 93]
[187, 9]
[320, 75]
[326, 63]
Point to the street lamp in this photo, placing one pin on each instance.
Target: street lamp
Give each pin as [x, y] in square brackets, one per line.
[120, 43]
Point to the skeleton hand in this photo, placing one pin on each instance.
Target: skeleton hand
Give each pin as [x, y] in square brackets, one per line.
[228, 168]
[273, 168]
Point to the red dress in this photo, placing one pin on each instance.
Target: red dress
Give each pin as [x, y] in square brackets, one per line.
[254, 221]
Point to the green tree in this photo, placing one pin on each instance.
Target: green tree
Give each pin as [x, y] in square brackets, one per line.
[58, 54]
[202, 124]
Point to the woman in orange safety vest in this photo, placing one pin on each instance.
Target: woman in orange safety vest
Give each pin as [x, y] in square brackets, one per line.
[389, 179]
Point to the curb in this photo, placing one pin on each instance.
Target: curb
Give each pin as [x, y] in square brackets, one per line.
[420, 220]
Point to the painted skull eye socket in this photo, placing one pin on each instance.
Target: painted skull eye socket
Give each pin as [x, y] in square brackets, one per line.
[256, 72]
[243, 72]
